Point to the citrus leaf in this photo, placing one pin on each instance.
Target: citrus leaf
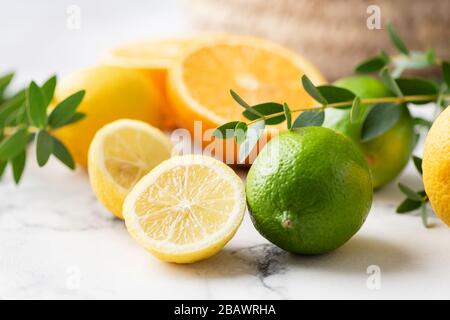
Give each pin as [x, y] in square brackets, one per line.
[411, 194]
[240, 132]
[62, 154]
[266, 109]
[254, 132]
[65, 110]
[389, 82]
[430, 56]
[10, 106]
[225, 131]
[48, 89]
[243, 104]
[311, 89]
[287, 115]
[381, 118]
[416, 138]
[44, 147]
[18, 118]
[398, 42]
[418, 164]
[416, 87]
[334, 94]
[36, 106]
[408, 205]
[3, 165]
[310, 118]
[18, 165]
[357, 112]
[78, 116]
[14, 144]
[371, 65]
[446, 72]
[422, 122]
[5, 80]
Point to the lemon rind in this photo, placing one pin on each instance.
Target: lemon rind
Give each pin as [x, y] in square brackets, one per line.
[207, 246]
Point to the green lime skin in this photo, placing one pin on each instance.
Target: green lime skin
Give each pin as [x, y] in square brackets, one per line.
[387, 154]
[309, 190]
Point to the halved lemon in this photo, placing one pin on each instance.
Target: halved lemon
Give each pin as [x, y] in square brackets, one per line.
[186, 209]
[120, 154]
[259, 71]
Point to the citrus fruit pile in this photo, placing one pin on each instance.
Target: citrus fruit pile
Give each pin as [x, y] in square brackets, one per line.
[179, 82]
[182, 209]
[308, 191]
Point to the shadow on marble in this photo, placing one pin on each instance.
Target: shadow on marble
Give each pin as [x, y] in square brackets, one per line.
[259, 260]
[266, 260]
[356, 256]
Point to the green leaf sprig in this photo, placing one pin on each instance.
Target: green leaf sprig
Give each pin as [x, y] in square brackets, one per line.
[383, 114]
[414, 199]
[25, 118]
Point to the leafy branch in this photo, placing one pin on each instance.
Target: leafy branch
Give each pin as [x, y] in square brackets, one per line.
[383, 113]
[382, 116]
[24, 118]
[406, 59]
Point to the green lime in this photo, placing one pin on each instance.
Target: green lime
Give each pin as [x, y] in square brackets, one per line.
[388, 154]
[309, 190]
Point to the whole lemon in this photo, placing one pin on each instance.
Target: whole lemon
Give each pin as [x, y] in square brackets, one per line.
[112, 93]
[436, 166]
[309, 190]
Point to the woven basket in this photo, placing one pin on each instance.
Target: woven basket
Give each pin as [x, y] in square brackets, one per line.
[331, 33]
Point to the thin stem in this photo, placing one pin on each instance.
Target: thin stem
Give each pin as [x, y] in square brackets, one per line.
[399, 100]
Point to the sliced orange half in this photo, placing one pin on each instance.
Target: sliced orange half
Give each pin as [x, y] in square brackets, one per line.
[259, 71]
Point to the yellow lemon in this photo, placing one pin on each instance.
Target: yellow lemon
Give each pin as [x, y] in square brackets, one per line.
[121, 153]
[153, 58]
[186, 209]
[111, 93]
[436, 166]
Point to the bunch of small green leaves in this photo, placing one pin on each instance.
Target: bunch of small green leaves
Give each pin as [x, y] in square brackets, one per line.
[24, 118]
[414, 199]
[407, 59]
[382, 115]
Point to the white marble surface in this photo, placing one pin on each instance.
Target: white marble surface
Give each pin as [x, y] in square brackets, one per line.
[56, 241]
